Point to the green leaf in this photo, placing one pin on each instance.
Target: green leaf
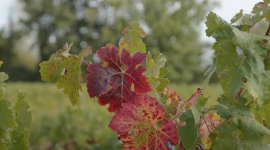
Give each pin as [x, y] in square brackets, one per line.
[201, 101]
[253, 66]
[267, 1]
[244, 27]
[164, 82]
[64, 69]
[258, 7]
[6, 116]
[267, 64]
[209, 73]
[23, 114]
[15, 124]
[155, 73]
[246, 70]
[3, 77]
[224, 101]
[213, 22]
[18, 140]
[237, 16]
[262, 115]
[189, 132]
[19, 136]
[153, 64]
[7, 120]
[236, 108]
[239, 130]
[260, 11]
[131, 39]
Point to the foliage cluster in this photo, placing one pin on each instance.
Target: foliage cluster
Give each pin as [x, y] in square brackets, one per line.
[15, 121]
[148, 115]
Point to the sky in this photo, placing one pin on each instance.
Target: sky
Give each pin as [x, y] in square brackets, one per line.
[228, 8]
[5, 7]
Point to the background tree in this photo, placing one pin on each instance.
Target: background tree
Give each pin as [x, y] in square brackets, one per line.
[174, 30]
[172, 26]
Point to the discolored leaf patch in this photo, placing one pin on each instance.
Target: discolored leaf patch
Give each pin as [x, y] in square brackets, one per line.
[131, 40]
[64, 69]
[144, 117]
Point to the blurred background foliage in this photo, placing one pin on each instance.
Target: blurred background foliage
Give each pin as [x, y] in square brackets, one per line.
[172, 27]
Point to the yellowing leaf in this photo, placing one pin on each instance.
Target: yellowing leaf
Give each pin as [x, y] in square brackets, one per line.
[156, 72]
[131, 39]
[64, 70]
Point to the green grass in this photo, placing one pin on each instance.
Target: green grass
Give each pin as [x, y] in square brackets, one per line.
[56, 124]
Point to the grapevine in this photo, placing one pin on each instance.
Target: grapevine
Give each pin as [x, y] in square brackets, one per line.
[148, 114]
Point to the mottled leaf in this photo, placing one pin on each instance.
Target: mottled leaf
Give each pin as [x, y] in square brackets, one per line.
[64, 69]
[143, 117]
[131, 40]
[208, 123]
[171, 101]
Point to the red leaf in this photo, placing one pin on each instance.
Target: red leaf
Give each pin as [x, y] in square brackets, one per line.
[119, 74]
[115, 100]
[144, 117]
[193, 99]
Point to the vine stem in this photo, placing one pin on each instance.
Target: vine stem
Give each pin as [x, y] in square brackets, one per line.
[268, 30]
[249, 103]
[178, 115]
[206, 124]
[244, 93]
[85, 62]
[258, 32]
